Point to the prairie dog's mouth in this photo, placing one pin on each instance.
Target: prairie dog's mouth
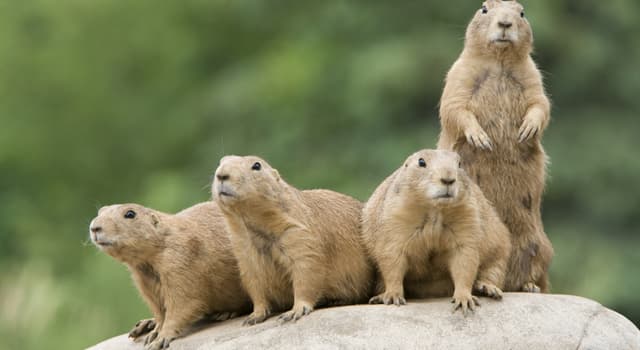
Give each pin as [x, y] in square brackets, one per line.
[445, 194]
[503, 37]
[502, 40]
[100, 241]
[225, 191]
[445, 197]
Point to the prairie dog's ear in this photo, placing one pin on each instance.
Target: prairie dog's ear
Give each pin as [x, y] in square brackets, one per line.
[276, 174]
[155, 220]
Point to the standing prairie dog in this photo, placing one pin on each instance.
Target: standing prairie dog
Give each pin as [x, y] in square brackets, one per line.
[182, 265]
[493, 112]
[295, 249]
[433, 234]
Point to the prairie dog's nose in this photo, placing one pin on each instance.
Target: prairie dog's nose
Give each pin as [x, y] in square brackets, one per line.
[222, 177]
[505, 24]
[448, 181]
[95, 229]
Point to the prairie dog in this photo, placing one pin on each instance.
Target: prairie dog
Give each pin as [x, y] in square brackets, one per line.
[182, 265]
[493, 112]
[296, 249]
[433, 234]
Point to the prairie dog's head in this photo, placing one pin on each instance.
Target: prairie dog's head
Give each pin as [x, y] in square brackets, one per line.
[500, 26]
[239, 179]
[434, 177]
[125, 231]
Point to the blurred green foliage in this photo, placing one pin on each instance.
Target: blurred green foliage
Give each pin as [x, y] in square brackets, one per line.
[135, 101]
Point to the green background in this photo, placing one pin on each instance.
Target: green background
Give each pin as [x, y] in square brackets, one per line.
[108, 101]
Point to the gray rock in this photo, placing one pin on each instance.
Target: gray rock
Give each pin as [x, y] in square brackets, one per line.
[519, 321]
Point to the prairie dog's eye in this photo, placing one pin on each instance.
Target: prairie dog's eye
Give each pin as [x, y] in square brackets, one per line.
[459, 164]
[522, 14]
[130, 214]
[256, 166]
[422, 163]
[484, 9]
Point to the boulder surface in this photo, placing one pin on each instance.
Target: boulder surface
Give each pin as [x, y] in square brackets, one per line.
[519, 321]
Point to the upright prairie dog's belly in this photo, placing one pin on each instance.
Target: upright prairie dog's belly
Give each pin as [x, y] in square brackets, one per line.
[499, 104]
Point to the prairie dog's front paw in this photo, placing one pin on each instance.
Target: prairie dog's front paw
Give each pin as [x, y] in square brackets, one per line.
[162, 339]
[222, 316]
[477, 137]
[257, 316]
[530, 287]
[142, 327]
[464, 302]
[388, 298]
[529, 128]
[488, 289]
[150, 337]
[159, 344]
[298, 310]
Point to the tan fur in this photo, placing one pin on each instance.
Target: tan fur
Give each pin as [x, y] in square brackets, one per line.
[493, 113]
[296, 249]
[182, 265]
[433, 239]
